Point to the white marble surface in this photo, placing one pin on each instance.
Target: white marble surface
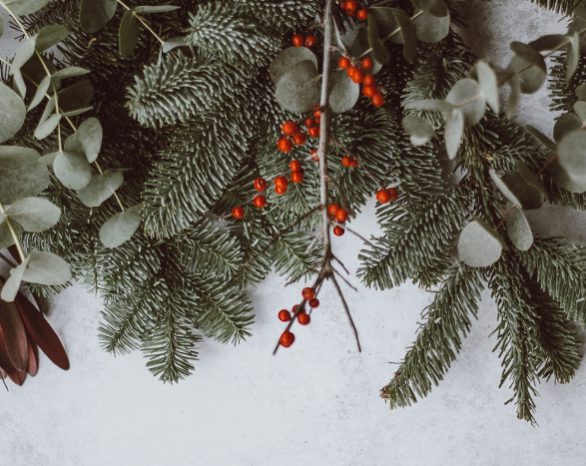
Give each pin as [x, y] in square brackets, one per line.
[314, 404]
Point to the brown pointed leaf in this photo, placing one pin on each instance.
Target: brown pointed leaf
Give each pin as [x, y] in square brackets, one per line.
[33, 359]
[15, 339]
[41, 332]
[5, 362]
[17, 377]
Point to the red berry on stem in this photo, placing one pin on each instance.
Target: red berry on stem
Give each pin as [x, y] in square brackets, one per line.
[297, 40]
[342, 215]
[394, 193]
[367, 64]
[309, 122]
[295, 165]
[259, 201]
[297, 177]
[339, 231]
[383, 196]
[281, 181]
[287, 338]
[369, 91]
[280, 190]
[313, 131]
[369, 80]
[260, 184]
[303, 318]
[378, 100]
[314, 302]
[356, 75]
[284, 315]
[308, 293]
[333, 209]
[350, 6]
[347, 161]
[344, 63]
[299, 139]
[289, 128]
[314, 155]
[238, 212]
[362, 14]
[284, 145]
[310, 40]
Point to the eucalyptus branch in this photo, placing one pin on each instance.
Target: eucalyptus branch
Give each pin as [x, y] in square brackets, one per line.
[15, 237]
[143, 21]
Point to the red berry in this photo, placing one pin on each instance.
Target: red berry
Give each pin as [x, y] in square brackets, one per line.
[378, 100]
[333, 209]
[347, 161]
[314, 155]
[362, 14]
[281, 181]
[369, 91]
[295, 165]
[238, 212]
[357, 76]
[310, 40]
[297, 40]
[284, 145]
[353, 162]
[369, 80]
[394, 193]
[313, 131]
[299, 139]
[350, 6]
[314, 302]
[339, 231]
[309, 122]
[289, 128]
[344, 63]
[284, 315]
[308, 293]
[260, 184]
[383, 196]
[367, 63]
[297, 177]
[342, 215]
[280, 190]
[303, 318]
[317, 113]
[259, 201]
[287, 338]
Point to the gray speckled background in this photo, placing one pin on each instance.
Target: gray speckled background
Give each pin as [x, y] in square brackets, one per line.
[316, 404]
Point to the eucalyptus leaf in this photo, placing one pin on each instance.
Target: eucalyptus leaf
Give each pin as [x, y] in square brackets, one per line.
[6, 236]
[572, 154]
[514, 97]
[467, 95]
[22, 174]
[454, 132]
[298, 90]
[87, 140]
[173, 43]
[549, 42]
[46, 268]
[45, 128]
[70, 72]
[12, 285]
[394, 25]
[542, 138]
[95, 14]
[344, 92]
[50, 36]
[419, 130]
[100, 188]
[77, 96]
[580, 110]
[434, 7]
[564, 181]
[128, 34]
[488, 82]
[479, 245]
[581, 92]
[432, 28]
[528, 64]
[565, 124]
[40, 93]
[430, 105]
[522, 187]
[519, 230]
[34, 214]
[119, 228]
[25, 7]
[12, 113]
[289, 58]
[72, 169]
[379, 49]
[573, 56]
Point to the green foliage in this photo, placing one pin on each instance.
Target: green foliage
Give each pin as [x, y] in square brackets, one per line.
[560, 6]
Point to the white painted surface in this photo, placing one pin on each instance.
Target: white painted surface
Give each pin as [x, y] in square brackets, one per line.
[314, 404]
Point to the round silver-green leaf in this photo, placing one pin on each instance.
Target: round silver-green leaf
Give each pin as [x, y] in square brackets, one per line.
[72, 169]
[12, 113]
[519, 230]
[288, 58]
[432, 28]
[469, 98]
[419, 130]
[46, 268]
[298, 89]
[119, 228]
[34, 214]
[344, 93]
[572, 154]
[100, 188]
[479, 245]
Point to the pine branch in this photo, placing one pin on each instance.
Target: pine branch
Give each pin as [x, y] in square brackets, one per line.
[559, 6]
[447, 322]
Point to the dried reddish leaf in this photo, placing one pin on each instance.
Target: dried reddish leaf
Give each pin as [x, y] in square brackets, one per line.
[15, 339]
[5, 362]
[17, 377]
[41, 332]
[33, 359]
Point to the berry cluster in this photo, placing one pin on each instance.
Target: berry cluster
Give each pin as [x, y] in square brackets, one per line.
[360, 73]
[292, 134]
[340, 215]
[354, 9]
[298, 312]
[349, 161]
[386, 195]
[303, 40]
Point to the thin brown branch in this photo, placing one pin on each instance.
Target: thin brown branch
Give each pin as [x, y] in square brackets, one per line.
[348, 313]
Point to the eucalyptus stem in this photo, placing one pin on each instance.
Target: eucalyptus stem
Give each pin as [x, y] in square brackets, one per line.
[13, 234]
[143, 22]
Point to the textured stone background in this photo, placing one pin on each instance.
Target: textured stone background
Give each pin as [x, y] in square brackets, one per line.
[316, 404]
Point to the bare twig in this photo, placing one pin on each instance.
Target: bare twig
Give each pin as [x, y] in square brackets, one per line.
[348, 313]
